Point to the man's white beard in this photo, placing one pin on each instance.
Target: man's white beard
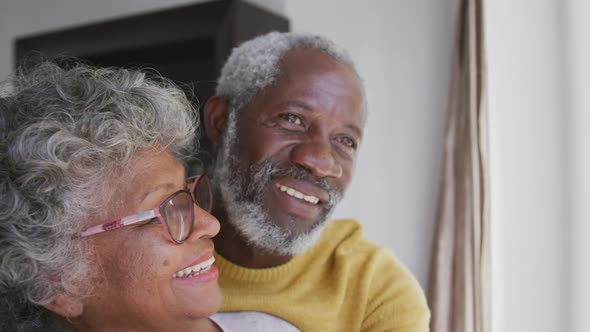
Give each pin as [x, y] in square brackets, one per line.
[246, 212]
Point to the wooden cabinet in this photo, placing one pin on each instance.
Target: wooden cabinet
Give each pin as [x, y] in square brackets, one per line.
[187, 44]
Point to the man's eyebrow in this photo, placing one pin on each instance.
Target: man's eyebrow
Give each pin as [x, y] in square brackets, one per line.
[356, 129]
[306, 107]
[298, 104]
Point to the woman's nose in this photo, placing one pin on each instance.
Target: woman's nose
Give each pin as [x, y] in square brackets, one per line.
[206, 225]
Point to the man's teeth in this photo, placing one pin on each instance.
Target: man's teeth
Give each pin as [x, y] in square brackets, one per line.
[297, 194]
[194, 270]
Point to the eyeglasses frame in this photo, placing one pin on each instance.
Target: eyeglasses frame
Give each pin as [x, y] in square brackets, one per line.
[153, 213]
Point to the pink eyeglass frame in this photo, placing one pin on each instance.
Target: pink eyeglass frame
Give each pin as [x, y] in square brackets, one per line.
[145, 215]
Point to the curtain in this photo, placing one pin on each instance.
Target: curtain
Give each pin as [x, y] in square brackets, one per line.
[459, 276]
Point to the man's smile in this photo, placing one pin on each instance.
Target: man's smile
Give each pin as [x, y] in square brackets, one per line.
[297, 194]
[299, 198]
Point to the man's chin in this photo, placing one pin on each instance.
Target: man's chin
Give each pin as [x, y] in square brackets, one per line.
[297, 240]
[295, 226]
[277, 239]
[277, 230]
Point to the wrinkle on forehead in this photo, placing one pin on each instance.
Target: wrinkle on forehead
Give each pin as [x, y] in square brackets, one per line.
[327, 73]
[125, 184]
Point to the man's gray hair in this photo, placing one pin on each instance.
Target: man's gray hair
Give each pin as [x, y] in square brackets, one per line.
[65, 135]
[254, 65]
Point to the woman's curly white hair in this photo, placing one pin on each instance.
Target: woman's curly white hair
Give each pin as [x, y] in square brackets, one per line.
[65, 132]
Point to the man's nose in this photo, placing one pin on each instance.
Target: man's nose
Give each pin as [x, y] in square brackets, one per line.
[317, 156]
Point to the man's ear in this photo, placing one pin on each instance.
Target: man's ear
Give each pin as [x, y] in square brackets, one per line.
[66, 306]
[215, 115]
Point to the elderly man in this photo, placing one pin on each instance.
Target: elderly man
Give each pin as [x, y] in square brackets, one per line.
[287, 121]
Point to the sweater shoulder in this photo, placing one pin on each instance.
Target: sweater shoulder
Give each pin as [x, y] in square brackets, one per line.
[344, 230]
[347, 237]
[351, 250]
[383, 282]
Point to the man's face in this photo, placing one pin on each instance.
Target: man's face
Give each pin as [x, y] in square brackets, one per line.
[293, 152]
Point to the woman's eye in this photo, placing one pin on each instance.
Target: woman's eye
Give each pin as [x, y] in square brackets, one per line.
[152, 221]
[292, 118]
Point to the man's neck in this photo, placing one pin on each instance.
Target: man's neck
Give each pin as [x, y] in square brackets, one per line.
[230, 244]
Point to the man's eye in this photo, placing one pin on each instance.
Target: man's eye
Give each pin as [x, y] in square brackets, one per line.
[292, 118]
[347, 141]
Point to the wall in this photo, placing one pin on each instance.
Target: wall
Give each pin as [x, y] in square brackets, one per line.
[576, 16]
[402, 51]
[528, 166]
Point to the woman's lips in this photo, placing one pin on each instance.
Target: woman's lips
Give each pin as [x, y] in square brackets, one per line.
[196, 269]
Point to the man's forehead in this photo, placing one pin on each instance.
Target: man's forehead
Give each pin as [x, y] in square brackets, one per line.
[299, 73]
[304, 58]
[301, 61]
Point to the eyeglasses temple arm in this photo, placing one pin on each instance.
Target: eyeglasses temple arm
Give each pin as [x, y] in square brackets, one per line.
[129, 220]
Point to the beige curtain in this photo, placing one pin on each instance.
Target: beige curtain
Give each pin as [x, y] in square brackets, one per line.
[459, 280]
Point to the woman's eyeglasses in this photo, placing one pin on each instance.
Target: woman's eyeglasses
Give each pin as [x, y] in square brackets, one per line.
[176, 213]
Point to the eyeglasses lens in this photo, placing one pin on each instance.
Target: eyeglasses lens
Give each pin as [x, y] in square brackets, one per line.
[178, 212]
[203, 194]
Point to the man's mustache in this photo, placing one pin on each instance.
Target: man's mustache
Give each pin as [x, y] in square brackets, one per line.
[263, 172]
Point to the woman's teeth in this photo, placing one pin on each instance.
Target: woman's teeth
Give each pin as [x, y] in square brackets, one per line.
[194, 270]
[297, 194]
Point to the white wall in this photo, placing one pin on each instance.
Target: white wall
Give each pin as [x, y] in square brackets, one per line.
[402, 51]
[577, 69]
[527, 141]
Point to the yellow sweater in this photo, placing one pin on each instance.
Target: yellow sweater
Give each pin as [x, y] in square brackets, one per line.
[343, 283]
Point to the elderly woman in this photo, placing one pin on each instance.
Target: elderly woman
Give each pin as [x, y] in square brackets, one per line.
[99, 229]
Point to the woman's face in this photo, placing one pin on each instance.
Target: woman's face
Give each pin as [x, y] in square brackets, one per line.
[135, 287]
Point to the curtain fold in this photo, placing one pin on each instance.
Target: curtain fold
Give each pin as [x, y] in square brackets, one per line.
[459, 275]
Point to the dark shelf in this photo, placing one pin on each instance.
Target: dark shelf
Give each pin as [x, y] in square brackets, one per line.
[187, 44]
